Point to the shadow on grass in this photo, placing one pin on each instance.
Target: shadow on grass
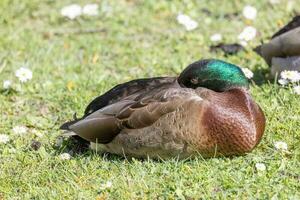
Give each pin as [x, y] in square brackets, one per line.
[78, 148]
[7, 92]
[262, 77]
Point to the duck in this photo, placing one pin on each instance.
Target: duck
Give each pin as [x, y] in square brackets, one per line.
[282, 52]
[206, 111]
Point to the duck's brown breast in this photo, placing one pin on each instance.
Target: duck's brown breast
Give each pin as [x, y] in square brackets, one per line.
[233, 121]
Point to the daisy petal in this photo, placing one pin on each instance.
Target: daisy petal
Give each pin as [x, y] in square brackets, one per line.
[4, 138]
[280, 145]
[248, 73]
[65, 156]
[260, 167]
[247, 34]
[249, 12]
[24, 74]
[72, 11]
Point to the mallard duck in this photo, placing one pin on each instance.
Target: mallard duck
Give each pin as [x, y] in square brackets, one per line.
[283, 50]
[207, 110]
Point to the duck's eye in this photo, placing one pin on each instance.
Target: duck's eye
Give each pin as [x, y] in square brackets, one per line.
[194, 81]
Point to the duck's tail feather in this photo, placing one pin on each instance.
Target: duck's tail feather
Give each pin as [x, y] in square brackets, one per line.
[66, 125]
[258, 50]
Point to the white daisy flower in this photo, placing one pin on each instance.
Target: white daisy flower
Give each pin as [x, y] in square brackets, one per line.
[260, 167]
[65, 156]
[283, 81]
[293, 76]
[106, 185]
[186, 21]
[248, 73]
[274, 1]
[24, 74]
[249, 12]
[182, 19]
[247, 34]
[90, 9]
[20, 130]
[297, 89]
[4, 138]
[280, 145]
[191, 25]
[216, 37]
[71, 11]
[6, 84]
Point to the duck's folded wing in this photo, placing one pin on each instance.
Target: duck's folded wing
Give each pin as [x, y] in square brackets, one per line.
[103, 125]
[124, 90]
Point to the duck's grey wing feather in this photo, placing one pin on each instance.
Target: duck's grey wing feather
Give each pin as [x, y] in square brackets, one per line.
[124, 90]
[101, 129]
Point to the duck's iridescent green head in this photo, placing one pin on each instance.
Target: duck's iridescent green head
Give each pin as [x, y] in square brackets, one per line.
[213, 74]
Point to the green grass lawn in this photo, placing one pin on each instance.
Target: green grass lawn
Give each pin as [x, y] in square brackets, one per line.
[134, 39]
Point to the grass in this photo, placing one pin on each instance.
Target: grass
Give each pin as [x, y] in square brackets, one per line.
[137, 39]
